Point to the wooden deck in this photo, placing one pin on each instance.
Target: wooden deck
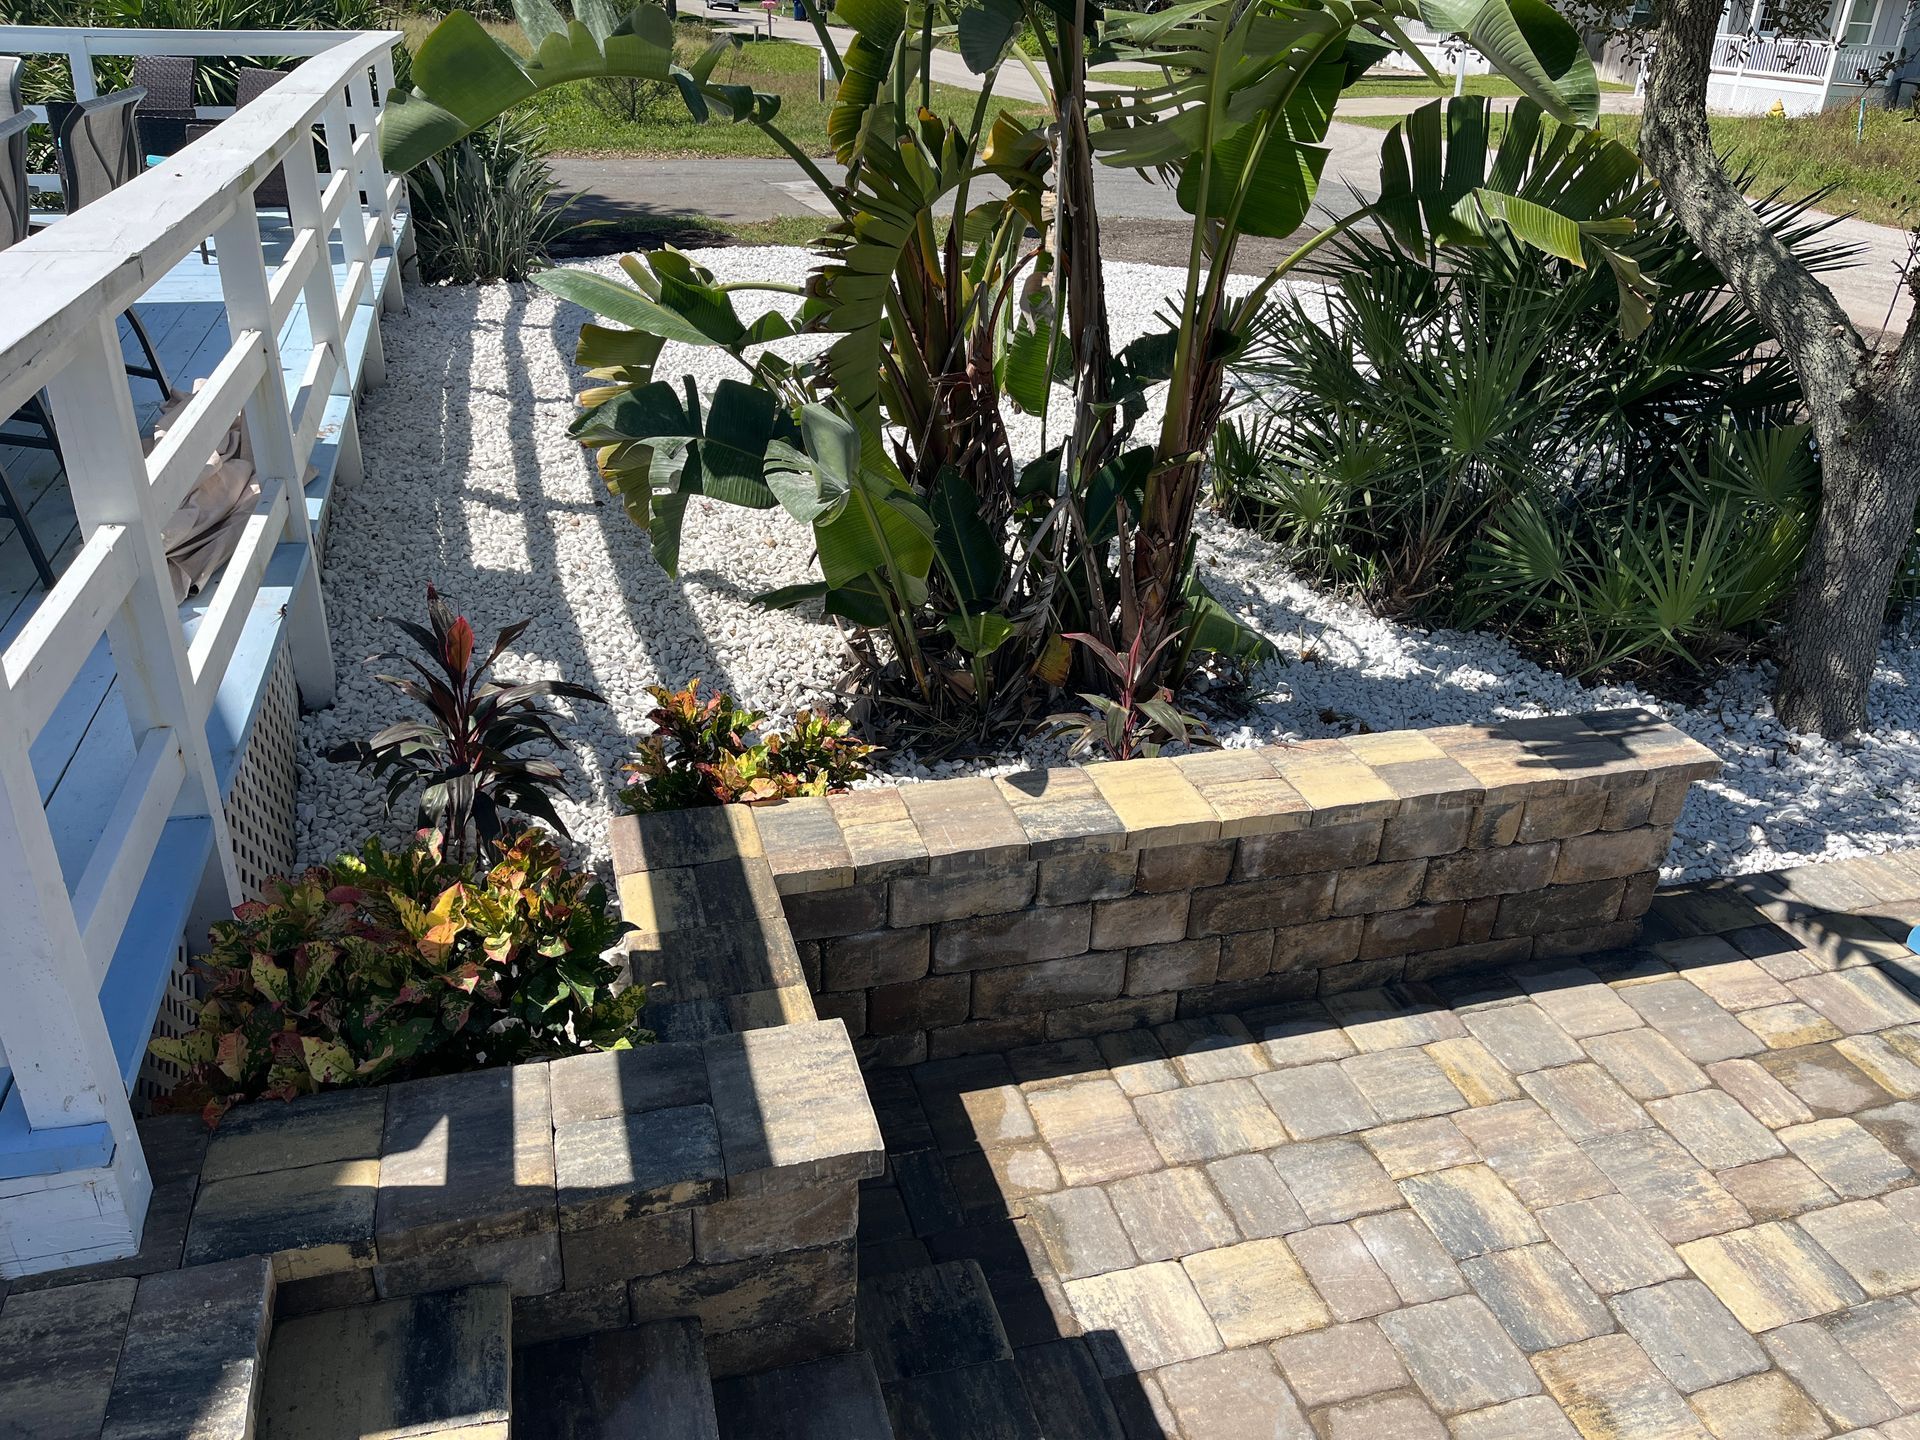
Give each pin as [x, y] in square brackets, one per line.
[84, 756]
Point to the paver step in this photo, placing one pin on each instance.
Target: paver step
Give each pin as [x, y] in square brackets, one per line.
[426, 1365]
[646, 1383]
[833, 1399]
[175, 1355]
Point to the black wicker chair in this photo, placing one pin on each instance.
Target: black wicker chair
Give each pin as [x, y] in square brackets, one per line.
[168, 109]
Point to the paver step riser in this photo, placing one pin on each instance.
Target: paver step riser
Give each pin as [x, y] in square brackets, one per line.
[645, 1383]
[437, 1365]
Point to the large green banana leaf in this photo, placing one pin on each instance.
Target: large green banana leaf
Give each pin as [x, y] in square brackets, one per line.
[463, 78]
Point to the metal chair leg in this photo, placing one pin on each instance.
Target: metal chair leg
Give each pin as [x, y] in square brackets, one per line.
[153, 370]
[10, 503]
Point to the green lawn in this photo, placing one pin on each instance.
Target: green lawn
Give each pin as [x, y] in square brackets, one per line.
[648, 119]
[1877, 176]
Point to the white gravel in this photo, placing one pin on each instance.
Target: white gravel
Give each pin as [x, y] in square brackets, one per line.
[472, 483]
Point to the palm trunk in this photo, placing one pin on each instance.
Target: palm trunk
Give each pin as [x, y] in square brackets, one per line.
[1863, 406]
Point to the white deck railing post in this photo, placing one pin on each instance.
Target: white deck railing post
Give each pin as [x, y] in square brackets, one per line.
[106, 471]
[337, 125]
[57, 1043]
[276, 463]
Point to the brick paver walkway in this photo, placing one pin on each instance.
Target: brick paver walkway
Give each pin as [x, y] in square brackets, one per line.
[1665, 1193]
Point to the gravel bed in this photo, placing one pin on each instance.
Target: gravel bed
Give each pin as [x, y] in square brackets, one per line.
[471, 483]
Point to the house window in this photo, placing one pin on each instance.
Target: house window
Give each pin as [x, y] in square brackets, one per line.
[1859, 23]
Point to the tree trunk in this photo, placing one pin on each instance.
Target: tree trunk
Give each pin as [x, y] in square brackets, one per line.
[1862, 407]
[1869, 475]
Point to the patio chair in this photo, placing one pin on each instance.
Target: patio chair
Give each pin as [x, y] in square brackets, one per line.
[168, 109]
[271, 192]
[13, 229]
[100, 152]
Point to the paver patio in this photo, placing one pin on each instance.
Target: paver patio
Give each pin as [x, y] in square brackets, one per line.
[1663, 1193]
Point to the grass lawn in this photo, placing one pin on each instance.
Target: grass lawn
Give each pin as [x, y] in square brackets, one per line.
[648, 119]
[1877, 177]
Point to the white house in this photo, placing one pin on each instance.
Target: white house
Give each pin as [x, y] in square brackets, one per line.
[1869, 48]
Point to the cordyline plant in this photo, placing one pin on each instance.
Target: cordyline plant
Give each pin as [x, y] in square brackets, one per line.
[391, 964]
[960, 565]
[706, 752]
[464, 756]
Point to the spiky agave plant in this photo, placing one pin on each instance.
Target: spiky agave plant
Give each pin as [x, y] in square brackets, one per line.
[466, 755]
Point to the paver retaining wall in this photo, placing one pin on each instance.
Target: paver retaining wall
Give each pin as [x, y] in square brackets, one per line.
[973, 915]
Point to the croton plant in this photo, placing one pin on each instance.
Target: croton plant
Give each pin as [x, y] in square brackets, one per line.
[393, 964]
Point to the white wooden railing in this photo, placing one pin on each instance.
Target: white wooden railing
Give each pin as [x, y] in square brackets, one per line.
[64, 290]
[1780, 55]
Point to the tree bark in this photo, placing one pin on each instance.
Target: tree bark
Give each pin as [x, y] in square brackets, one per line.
[1862, 405]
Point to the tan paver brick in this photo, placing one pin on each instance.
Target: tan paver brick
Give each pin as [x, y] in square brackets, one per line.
[1579, 1002]
[1536, 1417]
[1216, 1047]
[1082, 1234]
[1406, 1252]
[1255, 1291]
[1157, 804]
[1826, 1081]
[1771, 1275]
[1474, 1072]
[1378, 1020]
[1300, 1035]
[1171, 1213]
[1682, 1199]
[1777, 1189]
[1206, 1122]
[1689, 1334]
[1536, 1296]
[1458, 1355]
[1877, 1248]
[1884, 1337]
[1522, 1038]
[1883, 1062]
[1414, 1147]
[1647, 1065]
[1764, 1097]
[1611, 1244]
[1837, 1383]
[1584, 1100]
[1091, 1129]
[1315, 1101]
[1258, 1199]
[1237, 1395]
[1769, 1405]
[1402, 1416]
[1531, 1153]
[1137, 1062]
[1335, 1179]
[1403, 1084]
[1470, 1211]
[1846, 1157]
[1785, 1027]
[1342, 1362]
[1343, 1270]
[1143, 1318]
[1611, 1391]
[1715, 1128]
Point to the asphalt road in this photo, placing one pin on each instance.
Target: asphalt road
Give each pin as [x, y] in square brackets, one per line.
[1154, 229]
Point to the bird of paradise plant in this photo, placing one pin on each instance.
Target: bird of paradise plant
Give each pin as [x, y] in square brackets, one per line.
[958, 565]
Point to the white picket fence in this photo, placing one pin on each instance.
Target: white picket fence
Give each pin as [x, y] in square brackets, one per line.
[64, 290]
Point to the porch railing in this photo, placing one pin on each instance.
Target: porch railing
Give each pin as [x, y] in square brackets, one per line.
[66, 1112]
[1783, 57]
